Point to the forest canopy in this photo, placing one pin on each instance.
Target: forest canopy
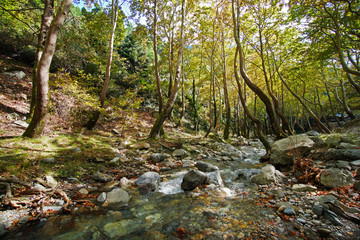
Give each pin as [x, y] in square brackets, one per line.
[247, 68]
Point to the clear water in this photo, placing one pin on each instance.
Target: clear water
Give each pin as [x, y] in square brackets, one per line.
[225, 209]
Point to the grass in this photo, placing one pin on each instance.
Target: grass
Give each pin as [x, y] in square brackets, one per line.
[24, 156]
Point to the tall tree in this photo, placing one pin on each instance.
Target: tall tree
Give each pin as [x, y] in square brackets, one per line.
[115, 6]
[38, 120]
[155, 130]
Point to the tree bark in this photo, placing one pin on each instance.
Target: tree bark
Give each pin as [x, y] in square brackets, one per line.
[45, 25]
[38, 121]
[157, 76]
[226, 94]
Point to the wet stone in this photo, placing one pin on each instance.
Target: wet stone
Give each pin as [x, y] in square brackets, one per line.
[102, 177]
[206, 167]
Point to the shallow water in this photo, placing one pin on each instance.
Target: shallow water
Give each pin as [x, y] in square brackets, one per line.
[225, 209]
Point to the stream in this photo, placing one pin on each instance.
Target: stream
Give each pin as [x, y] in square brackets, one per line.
[225, 209]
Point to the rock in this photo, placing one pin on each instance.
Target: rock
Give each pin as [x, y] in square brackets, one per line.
[84, 191]
[215, 178]
[343, 164]
[312, 133]
[48, 160]
[116, 199]
[357, 174]
[102, 197]
[102, 177]
[158, 157]
[206, 167]
[193, 179]
[124, 182]
[227, 150]
[149, 181]
[115, 160]
[180, 153]
[335, 177]
[355, 164]
[140, 145]
[303, 188]
[187, 163]
[109, 186]
[21, 123]
[3, 219]
[344, 145]
[342, 154]
[38, 188]
[289, 211]
[332, 217]
[51, 181]
[16, 74]
[267, 175]
[318, 209]
[298, 145]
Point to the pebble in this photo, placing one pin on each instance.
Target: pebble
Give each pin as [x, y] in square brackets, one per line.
[84, 191]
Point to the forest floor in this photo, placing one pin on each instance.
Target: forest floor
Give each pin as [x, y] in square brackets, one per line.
[69, 152]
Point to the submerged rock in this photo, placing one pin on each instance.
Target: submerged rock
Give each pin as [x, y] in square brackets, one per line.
[193, 179]
[117, 198]
[149, 181]
[284, 150]
[335, 177]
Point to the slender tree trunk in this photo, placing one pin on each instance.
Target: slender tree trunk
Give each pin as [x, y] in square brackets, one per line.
[155, 130]
[226, 94]
[45, 25]
[330, 101]
[182, 96]
[344, 101]
[321, 125]
[157, 76]
[114, 15]
[38, 120]
[255, 120]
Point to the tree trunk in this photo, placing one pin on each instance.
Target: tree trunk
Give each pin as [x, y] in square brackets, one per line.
[330, 101]
[155, 130]
[252, 85]
[226, 94]
[45, 25]
[157, 76]
[255, 120]
[38, 120]
[114, 15]
[321, 125]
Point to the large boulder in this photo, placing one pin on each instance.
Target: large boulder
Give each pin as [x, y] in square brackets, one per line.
[343, 154]
[206, 167]
[284, 150]
[193, 179]
[149, 181]
[335, 177]
[116, 199]
[268, 175]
